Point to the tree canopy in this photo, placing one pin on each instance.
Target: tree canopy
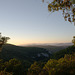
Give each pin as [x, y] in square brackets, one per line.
[3, 40]
[66, 6]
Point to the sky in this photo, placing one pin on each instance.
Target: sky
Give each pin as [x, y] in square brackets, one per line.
[29, 21]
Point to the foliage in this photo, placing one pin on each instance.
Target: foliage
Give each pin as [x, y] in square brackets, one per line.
[1, 65]
[13, 66]
[74, 1]
[5, 73]
[61, 53]
[63, 66]
[35, 68]
[66, 6]
[3, 40]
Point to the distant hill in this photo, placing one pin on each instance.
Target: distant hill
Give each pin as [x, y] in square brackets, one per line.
[63, 44]
[61, 53]
[24, 53]
[50, 48]
[29, 53]
[51, 44]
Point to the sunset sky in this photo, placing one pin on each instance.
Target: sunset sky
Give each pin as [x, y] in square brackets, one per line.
[29, 21]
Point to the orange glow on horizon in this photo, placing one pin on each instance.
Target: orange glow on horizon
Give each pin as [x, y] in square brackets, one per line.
[24, 42]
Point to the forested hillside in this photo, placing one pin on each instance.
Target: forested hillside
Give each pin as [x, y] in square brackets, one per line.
[30, 54]
[51, 48]
[60, 63]
[61, 53]
[62, 66]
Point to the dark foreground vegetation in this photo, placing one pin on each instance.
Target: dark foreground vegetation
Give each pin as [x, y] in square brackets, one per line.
[59, 63]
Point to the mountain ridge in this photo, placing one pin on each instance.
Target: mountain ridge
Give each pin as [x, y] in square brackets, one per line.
[39, 53]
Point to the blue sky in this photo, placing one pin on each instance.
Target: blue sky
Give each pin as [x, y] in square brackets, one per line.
[29, 21]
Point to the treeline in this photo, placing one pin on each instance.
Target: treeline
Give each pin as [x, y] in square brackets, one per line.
[12, 67]
[63, 66]
[61, 53]
[61, 63]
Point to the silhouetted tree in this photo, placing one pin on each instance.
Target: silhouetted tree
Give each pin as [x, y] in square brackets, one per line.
[3, 40]
[67, 6]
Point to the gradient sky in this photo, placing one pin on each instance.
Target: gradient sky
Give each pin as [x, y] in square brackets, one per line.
[29, 21]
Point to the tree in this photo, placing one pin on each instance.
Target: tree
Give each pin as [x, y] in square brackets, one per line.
[63, 66]
[5, 73]
[67, 6]
[35, 68]
[14, 66]
[3, 40]
[73, 41]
